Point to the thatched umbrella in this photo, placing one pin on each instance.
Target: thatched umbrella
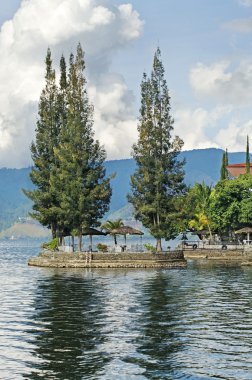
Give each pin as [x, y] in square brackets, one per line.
[245, 230]
[126, 230]
[92, 232]
[200, 232]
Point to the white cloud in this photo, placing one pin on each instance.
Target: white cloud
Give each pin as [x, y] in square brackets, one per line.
[240, 25]
[218, 128]
[245, 3]
[61, 24]
[190, 125]
[227, 88]
[235, 135]
[193, 125]
[116, 125]
[220, 83]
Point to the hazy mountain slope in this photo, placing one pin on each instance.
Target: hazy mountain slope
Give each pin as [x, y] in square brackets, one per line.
[13, 202]
[205, 164]
[121, 182]
[25, 230]
[201, 164]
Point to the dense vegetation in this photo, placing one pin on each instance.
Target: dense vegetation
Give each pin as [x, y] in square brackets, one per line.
[223, 209]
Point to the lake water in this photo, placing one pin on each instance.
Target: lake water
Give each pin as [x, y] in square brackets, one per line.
[194, 323]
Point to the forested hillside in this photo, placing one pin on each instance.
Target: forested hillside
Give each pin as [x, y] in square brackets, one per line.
[13, 203]
[201, 165]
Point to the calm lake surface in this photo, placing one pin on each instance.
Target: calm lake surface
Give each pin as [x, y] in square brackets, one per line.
[194, 323]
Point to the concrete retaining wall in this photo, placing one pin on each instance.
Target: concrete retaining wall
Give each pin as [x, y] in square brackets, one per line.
[173, 259]
[215, 254]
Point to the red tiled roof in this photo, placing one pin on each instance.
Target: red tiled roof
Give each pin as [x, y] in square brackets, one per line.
[237, 169]
[238, 165]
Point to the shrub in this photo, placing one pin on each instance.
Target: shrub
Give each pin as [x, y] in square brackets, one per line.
[150, 247]
[51, 245]
[102, 247]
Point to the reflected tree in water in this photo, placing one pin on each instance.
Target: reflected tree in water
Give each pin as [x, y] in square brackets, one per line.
[159, 341]
[67, 330]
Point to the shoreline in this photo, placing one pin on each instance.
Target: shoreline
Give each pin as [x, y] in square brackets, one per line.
[240, 256]
[173, 259]
[169, 260]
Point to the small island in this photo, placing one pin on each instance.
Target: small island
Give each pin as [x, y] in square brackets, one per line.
[72, 192]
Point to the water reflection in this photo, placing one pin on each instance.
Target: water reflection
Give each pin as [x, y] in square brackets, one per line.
[195, 324]
[69, 308]
[162, 303]
[124, 324]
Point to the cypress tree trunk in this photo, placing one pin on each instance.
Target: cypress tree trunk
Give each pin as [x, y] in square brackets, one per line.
[53, 230]
[61, 240]
[73, 242]
[158, 245]
[80, 242]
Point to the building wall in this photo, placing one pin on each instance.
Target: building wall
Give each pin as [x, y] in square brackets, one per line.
[236, 171]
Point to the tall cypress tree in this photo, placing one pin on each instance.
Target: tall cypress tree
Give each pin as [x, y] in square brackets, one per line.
[224, 164]
[226, 157]
[158, 179]
[42, 151]
[247, 157]
[84, 191]
[55, 180]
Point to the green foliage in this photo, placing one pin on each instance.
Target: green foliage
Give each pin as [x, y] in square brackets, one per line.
[42, 150]
[71, 191]
[231, 204]
[102, 247]
[158, 178]
[195, 208]
[149, 247]
[84, 192]
[247, 157]
[111, 225]
[202, 207]
[224, 171]
[51, 245]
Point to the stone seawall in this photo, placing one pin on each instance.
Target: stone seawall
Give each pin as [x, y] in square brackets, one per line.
[216, 254]
[174, 259]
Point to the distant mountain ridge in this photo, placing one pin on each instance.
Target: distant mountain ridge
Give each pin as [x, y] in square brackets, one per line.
[201, 165]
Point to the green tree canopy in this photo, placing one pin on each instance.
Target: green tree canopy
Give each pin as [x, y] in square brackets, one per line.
[42, 151]
[71, 191]
[158, 179]
[111, 225]
[224, 164]
[202, 200]
[231, 204]
[85, 192]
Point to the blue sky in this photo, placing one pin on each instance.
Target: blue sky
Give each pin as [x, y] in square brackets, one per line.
[206, 49]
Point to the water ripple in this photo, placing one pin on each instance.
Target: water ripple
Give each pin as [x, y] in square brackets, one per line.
[123, 324]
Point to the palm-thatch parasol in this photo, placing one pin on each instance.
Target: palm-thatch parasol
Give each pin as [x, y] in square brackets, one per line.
[92, 232]
[126, 230]
[200, 232]
[245, 230]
